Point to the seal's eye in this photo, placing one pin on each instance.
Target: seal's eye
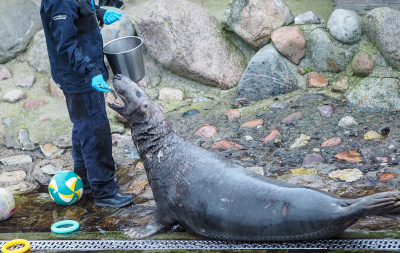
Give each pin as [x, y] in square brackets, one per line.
[138, 94]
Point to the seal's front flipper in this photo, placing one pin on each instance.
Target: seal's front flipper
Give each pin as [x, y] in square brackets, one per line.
[142, 232]
[156, 225]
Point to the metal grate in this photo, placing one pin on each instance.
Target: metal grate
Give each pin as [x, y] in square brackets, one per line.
[98, 245]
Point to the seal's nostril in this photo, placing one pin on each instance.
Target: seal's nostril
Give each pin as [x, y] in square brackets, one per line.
[117, 76]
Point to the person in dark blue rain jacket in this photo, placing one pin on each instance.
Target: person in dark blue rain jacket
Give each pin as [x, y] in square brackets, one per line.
[75, 49]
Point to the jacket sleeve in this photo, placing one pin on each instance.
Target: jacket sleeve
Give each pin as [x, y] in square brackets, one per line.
[100, 14]
[65, 32]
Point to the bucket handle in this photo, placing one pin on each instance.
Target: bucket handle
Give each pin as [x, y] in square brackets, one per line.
[137, 24]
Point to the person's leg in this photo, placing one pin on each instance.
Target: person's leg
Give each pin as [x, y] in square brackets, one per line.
[79, 164]
[88, 113]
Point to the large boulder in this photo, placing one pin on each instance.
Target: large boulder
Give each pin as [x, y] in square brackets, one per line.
[266, 75]
[254, 20]
[37, 53]
[187, 40]
[20, 21]
[326, 53]
[345, 26]
[382, 26]
[290, 42]
[375, 94]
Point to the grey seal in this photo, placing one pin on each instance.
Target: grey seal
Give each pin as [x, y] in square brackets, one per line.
[215, 198]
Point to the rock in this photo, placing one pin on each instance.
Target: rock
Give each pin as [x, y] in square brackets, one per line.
[254, 21]
[131, 153]
[331, 142]
[352, 156]
[258, 170]
[307, 18]
[50, 170]
[290, 42]
[22, 187]
[301, 71]
[325, 110]
[119, 29]
[316, 80]
[248, 138]
[347, 121]
[16, 160]
[253, 123]
[232, 114]
[170, 94]
[279, 105]
[187, 40]
[201, 99]
[362, 64]
[292, 117]
[372, 135]
[12, 176]
[375, 94]
[226, 144]
[384, 178]
[137, 187]
[271, 136]
[312, 96]
[302, 141]
[303, 171]
[341, 85]
[115, 138]
[14, 96]
[34, 103]
[26, 82]
[38, 57]
[312, 159]
[190, 113]
[139, 166]
[22, 23]
[345, 26]
[23, 137]
[348, 175]
[206, 131]
[51, 151]
[383, 28]
[266, 75]
[55, 91]
[5, 74]
[326, 53]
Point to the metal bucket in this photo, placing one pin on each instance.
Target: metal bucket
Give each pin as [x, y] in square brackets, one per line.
[125, 56]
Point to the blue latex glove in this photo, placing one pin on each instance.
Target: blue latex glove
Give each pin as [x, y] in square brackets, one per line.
[99, 84]
[111, 16]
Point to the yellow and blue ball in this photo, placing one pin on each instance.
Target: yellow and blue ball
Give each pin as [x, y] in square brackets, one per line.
[66, 188]
[7, 204]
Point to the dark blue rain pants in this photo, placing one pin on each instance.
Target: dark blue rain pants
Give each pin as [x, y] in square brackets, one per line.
[91, 142]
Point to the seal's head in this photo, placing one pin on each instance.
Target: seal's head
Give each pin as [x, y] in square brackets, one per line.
[136, 106]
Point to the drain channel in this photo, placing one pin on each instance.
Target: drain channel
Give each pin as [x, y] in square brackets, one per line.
[98, 245]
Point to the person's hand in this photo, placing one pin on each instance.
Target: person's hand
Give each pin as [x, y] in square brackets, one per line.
[111, 16]
[99, 84]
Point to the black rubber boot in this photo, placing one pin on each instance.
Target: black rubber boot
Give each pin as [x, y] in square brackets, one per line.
[86, 187]
[118, 200]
